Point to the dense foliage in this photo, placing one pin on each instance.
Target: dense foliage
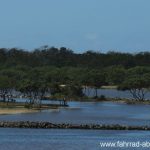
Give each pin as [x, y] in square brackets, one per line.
[62, 57]
[64, 73]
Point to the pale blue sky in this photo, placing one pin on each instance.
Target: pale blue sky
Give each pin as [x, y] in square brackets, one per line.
[122, 25]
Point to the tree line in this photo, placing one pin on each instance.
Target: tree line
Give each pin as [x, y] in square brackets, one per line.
[64, 57]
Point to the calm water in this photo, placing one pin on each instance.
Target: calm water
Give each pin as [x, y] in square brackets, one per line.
[90, 112]
[78, 112]
[40, 139]
[113, 93]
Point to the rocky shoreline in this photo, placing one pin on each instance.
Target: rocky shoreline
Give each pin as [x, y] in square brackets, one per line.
[48, 125]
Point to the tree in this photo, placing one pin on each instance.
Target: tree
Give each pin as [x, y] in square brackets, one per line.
[6, 87]
[137, 85]
[115, 75]
[35, 91]
[72, 91]
[34, 86]
[96, 80]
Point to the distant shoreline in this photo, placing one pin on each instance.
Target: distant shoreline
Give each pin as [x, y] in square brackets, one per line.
[113, 100]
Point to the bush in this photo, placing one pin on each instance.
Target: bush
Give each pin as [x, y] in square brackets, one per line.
[102, 97]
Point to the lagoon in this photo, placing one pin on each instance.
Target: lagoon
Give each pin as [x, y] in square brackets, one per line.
[74, 139]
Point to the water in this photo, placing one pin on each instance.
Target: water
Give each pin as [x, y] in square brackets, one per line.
[90, 112]
[113, 93]
[54, 139]
[69, 139]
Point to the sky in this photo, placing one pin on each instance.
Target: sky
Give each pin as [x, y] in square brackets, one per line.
[100, 25]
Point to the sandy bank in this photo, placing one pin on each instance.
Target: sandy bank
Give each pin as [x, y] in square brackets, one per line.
[6, 111]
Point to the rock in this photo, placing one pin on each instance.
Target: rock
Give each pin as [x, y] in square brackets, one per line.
[48, 125]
